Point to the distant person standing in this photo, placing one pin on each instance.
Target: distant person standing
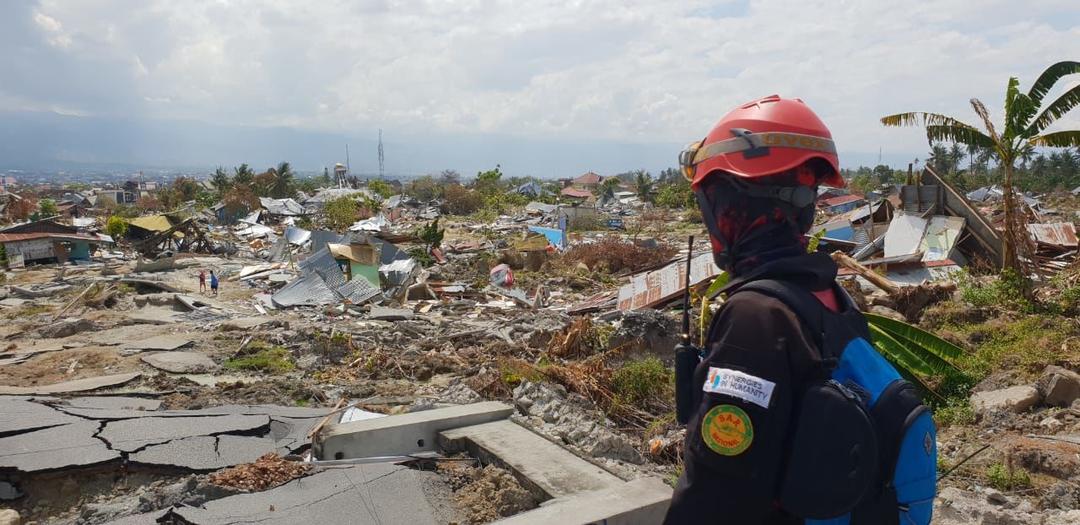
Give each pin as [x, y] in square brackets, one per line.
[213, 283]
[202, 281]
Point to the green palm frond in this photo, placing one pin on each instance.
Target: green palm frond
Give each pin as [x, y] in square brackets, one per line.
[966, 135]
[898, 352]
[1048, 78]
[1019, 108]
[920, 351]
[921, 118]
[1060, 139]
[1055, 110]
[719, 282]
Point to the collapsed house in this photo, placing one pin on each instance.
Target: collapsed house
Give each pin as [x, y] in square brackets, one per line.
[47, 241]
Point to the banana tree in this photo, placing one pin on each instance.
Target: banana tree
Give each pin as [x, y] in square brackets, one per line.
[914, 352]
[1025, 127]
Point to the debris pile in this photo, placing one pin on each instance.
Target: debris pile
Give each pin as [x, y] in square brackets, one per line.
[267, 472]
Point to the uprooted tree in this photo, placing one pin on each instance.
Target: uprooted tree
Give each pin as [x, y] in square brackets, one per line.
[1024, 129]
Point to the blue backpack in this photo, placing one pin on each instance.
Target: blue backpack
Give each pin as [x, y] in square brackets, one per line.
[864, 449]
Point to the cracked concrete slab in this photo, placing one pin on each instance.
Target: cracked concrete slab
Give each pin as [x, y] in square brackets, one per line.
[180, 362]
[114, 402]
[78, 385]
[290, 434]
[65, 446]
[360, 494]
[33, 348]
[14, 360]
[148, 518]
[249, 410]
[159, 342]
[205, 452]
[19, 414]
[129, 435]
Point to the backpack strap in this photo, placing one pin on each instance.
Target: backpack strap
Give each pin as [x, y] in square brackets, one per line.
[807, 308]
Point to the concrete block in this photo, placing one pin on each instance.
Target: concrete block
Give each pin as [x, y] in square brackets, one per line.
[643, 500]
[402, 434]
[546, 469]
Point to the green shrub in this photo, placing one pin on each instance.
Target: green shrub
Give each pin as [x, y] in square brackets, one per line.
[955, 411]
[340, 213]
[262, 358]
[1002, 477]
[380, 188]
[639, 382]
[1005, 291]
[116, 227]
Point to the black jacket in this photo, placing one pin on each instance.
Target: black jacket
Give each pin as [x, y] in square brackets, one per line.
[758, 357]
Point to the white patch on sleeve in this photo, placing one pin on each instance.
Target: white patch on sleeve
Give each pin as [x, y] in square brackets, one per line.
[744, 386]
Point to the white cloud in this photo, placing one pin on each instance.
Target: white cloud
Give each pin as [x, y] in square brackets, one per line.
[638, 71]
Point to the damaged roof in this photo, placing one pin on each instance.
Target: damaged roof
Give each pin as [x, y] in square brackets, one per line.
[1061, 234]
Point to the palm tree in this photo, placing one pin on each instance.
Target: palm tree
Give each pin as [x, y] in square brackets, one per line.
[221, 181]
[1024, 125]
[282, 185]
[643, 182]
[938, 157]
[244, 174]
[956, 157]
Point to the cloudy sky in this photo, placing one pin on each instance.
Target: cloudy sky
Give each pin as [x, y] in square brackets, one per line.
[617, 74]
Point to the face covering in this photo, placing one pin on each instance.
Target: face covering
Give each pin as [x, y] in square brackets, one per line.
[748, 231]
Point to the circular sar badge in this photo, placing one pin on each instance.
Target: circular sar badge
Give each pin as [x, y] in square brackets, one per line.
[726, 429]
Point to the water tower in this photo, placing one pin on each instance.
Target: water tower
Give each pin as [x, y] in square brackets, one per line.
[340, 171]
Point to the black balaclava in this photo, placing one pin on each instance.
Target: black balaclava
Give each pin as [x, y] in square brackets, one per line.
[747, 231]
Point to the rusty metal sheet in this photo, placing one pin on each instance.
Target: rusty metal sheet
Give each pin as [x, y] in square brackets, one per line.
[647, 290]
[1061, 234]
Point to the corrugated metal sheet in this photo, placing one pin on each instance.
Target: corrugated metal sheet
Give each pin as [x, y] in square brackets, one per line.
[308, 290]
[322, 282]
[1060, 234]
[297, 236]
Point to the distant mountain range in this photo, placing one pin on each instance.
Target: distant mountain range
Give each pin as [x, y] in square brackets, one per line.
[51, 141]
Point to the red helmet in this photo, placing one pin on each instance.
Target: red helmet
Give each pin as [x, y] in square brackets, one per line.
[761, 138]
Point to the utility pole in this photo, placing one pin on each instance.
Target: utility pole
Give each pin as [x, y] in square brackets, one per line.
[348, 168]
[380, 155]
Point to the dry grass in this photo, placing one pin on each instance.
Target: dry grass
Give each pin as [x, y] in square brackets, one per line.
[267, 472]
[615, 255]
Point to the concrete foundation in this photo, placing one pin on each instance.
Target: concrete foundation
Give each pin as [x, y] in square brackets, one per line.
[402, 434]
[640, 501]
[546, 469]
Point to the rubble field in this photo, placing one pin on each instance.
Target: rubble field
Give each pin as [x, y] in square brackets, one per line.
[130, 395]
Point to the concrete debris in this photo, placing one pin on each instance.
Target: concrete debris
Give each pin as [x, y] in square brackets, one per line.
[1059, 386]
[954, 506]
[180, 362]
[78, 385]
[380, 313]
[160, 342]
[555, 413]
[1015, 399]
[10, 517]
[66, 327]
